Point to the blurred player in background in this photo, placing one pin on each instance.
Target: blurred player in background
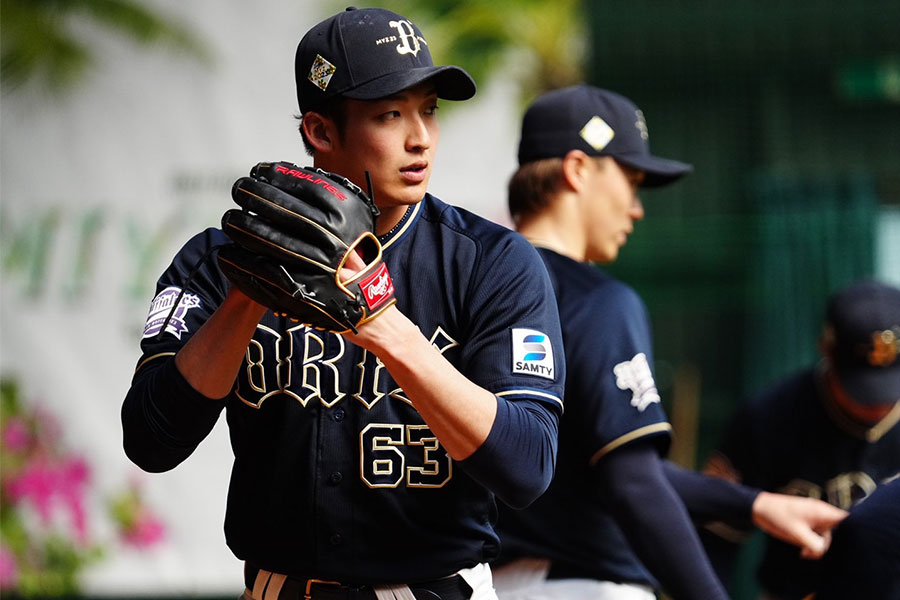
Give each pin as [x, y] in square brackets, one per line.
[828, 431]
[366, 465]
[613, 523]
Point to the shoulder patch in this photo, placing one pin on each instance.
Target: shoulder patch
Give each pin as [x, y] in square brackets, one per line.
[162, 306]
[532, 353]
[635, 375]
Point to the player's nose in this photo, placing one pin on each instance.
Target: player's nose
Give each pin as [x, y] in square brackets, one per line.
[419, 136]
[637, 208]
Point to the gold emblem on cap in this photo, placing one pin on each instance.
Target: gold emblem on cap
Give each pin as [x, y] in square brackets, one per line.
[597, 133]
[885, 347]
[321, 72]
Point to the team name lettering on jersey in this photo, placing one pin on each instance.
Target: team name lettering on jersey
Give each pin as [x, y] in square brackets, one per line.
[635, 375]
[322, 373]
[160, 308]
[532, 353]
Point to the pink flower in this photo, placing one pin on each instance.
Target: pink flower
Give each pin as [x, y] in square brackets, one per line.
[15, 434]
[9, 569]
[145, 531]
[44, 485]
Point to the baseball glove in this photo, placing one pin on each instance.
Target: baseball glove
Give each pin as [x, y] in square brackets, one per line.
[295, 231]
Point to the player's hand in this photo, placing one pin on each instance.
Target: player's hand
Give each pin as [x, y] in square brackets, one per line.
[803, 522]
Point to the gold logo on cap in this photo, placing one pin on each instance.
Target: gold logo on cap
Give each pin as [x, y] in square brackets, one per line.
[597, 133]
[321, 72]
[410, 43]
[885, 347]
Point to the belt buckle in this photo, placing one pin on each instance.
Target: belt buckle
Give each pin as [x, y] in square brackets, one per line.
[309, 583]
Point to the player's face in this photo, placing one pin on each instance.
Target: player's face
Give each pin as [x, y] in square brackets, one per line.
[395, 140]
[611, 208]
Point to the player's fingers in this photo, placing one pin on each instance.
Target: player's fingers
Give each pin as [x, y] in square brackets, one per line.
[812, 545]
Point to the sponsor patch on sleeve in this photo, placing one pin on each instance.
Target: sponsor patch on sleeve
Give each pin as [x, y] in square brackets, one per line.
[532, 353]
[162, 306]
[635, 375]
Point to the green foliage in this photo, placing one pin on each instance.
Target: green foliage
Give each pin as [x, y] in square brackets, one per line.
[44, 40]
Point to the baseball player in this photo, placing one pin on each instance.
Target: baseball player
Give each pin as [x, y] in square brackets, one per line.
[612, 524]
[366, 463]
[828, 431]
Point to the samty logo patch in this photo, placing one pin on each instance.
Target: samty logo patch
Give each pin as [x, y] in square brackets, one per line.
[162, 306]
[532, 353]
[321, 72]
[635, 375]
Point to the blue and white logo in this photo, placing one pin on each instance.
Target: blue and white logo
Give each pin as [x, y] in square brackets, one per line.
[532, 353]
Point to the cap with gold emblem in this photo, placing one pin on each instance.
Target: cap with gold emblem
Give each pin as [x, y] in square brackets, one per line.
[599, 123]
[370, 53]
[863, 340]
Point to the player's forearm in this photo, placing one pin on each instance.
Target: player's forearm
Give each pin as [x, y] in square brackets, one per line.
[660, 532]
[459, 412]
[710, 498]
[210, 360]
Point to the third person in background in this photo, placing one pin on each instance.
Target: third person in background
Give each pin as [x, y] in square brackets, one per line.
[828, 431]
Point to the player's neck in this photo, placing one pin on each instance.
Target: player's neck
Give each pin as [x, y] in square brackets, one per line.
[552, 240]
[553, 231]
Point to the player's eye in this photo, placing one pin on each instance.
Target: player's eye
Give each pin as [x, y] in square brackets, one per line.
[432, 109]
[390, 115]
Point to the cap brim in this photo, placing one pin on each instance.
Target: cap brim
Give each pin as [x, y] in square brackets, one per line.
[871, 385]
[657, 171]
[451, 82]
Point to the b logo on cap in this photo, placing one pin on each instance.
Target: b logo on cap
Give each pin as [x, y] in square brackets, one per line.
[408, 38]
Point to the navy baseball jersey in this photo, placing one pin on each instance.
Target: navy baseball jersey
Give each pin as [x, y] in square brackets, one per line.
[611, 400]
[336, 475]
[791, 439]
[864, 558]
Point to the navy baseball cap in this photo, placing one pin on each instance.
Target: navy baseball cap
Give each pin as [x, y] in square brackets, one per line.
[366, 54]
[863, 340]
[598, 122]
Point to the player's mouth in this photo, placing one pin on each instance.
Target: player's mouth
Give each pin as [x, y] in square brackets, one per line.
[415, 173]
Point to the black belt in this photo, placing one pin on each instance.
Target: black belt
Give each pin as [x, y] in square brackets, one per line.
[295, 588]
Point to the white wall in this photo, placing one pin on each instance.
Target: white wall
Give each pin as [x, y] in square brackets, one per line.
[152, 143]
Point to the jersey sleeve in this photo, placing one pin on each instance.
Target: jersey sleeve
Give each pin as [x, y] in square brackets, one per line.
[515, 346]
[163, 417]
[515, 351]
[187, 294]
[618, 401]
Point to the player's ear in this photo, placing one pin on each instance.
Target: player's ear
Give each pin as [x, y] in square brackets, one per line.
[575, 165]
[320, 131]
